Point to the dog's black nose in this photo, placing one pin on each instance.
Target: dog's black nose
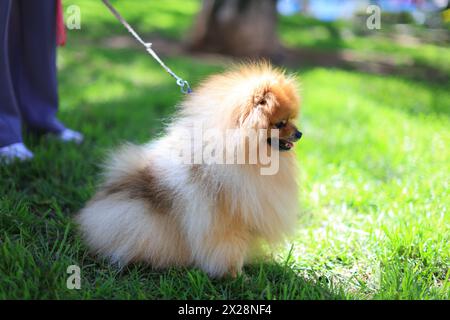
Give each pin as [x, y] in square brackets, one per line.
[298, 135]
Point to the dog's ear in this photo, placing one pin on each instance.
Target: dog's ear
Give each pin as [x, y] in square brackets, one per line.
[269, 96]
[277, 99]
[257, 110]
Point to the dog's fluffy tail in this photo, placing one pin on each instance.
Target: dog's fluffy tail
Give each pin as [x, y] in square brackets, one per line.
[128, 158]
[123, 228]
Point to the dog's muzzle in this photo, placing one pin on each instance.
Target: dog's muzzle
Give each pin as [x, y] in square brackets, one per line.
[286, 144]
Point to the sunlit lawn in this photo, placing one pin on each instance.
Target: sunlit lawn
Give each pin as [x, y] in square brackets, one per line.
[374, 178]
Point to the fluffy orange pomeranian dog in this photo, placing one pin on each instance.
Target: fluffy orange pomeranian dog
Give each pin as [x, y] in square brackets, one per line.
[154, 206]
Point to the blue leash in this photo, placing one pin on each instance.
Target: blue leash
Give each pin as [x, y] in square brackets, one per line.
[183, 84]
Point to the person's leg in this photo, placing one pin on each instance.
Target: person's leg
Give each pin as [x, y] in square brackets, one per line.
[10, 129]
[11, 146]
[35, 78]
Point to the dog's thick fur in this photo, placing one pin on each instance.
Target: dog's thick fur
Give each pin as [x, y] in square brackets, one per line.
[152, 207]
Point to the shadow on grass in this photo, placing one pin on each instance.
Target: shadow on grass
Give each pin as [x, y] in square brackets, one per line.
[347, 60]
[162, 93]
[265, 280]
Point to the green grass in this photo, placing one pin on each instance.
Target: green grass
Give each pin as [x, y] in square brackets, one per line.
[333, 37]
[374, 161]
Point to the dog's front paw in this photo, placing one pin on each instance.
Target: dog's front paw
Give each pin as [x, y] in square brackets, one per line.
[234, 271]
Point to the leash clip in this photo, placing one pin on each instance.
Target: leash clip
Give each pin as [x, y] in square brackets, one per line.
[184, 86]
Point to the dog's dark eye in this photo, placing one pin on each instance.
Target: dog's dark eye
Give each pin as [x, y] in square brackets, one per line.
[280, 124]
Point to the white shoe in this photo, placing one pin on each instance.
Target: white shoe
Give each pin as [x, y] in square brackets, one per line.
[15, 151]
[68, 135]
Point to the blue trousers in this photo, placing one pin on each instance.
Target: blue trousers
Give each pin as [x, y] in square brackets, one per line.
[28, 79]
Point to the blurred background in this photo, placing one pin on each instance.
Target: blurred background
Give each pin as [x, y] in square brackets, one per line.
[408, 38]
[411, 34]
[329, 33]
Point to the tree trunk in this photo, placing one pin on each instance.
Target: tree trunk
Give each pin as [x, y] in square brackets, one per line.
[305, 7]
[237, 27]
